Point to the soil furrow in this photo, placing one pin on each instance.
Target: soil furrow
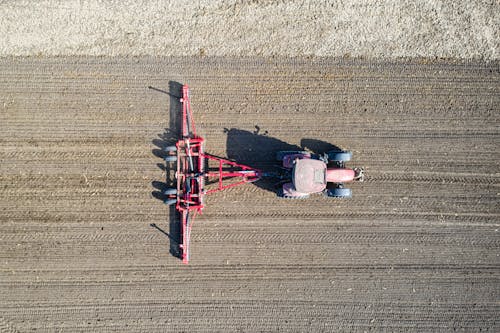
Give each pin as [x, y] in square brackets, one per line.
[86, 243]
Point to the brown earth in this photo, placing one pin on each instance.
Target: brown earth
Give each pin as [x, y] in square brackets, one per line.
[416, 249]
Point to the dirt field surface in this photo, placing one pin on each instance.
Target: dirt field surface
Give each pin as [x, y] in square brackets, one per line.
[86, 244]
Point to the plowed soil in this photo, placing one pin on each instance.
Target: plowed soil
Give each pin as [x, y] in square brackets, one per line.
[86, 243]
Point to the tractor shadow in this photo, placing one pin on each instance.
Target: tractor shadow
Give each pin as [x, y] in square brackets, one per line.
[168, 138]
[258, 150]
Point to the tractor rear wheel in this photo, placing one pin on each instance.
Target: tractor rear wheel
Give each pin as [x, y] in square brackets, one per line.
[339, 192]
[283, 196]
[281, 154]
[339, 156]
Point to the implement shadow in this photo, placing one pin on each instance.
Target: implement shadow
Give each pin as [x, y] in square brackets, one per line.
[168, 138]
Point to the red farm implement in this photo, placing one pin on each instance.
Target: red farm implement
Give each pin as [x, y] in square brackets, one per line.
[198, 174]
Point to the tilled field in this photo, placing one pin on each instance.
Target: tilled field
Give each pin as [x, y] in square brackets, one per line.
[85, 241]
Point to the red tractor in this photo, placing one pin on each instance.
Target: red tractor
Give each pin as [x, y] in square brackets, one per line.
[309, 173]
[199, 174]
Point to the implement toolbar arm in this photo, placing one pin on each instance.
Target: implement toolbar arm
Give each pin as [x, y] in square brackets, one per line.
[188, 127]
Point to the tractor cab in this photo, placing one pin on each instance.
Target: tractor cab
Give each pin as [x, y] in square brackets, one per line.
[309, 175]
